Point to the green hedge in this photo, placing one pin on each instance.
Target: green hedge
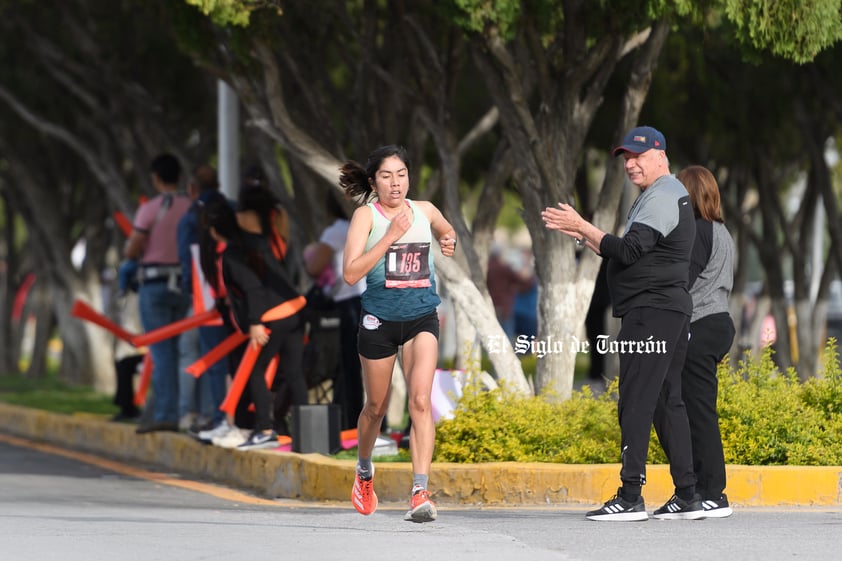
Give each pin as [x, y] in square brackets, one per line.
[767, 417]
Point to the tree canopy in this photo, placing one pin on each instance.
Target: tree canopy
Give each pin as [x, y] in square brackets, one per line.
[496, 100]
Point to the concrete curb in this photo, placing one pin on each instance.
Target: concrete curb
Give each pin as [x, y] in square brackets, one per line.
[315, 477]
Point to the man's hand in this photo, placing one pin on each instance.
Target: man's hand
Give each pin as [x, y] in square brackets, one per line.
[565, 219]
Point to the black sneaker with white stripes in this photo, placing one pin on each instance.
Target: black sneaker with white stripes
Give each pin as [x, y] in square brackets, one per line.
[618, 509]
[258, 440]
[717, 508]
[678, 509]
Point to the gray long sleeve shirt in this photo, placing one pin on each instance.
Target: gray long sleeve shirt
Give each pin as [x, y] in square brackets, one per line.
[711, 269]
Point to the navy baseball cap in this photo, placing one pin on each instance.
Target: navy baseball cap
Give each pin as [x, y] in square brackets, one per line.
[641, 139]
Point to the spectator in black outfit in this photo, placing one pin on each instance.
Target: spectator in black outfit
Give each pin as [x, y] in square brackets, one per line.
[261, 215]
[126, 368]
[711, 335]
[647, 277]
[265, 305]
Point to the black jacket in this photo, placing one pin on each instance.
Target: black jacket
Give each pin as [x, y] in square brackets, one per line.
[649, 265]
[255, 280]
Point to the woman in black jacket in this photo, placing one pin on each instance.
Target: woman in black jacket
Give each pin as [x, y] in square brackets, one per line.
[265, 304]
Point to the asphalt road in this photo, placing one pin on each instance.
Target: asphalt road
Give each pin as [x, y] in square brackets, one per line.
[55, 507]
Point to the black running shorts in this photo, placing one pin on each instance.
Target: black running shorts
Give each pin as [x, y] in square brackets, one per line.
[379, 338]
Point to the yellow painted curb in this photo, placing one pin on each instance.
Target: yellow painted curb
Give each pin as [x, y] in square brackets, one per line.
[315, 477]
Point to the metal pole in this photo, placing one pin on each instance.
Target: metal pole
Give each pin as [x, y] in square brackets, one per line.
[228, 110]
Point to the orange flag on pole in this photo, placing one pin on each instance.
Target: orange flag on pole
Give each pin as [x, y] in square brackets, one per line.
[145, 377]
[175, 328]
[241, 377]
[217, 353]
[84, 311]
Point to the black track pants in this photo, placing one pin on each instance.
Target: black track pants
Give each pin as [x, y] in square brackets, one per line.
[710, 340]
[650, 391]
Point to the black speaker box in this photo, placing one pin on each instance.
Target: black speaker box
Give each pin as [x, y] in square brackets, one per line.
[316, 429]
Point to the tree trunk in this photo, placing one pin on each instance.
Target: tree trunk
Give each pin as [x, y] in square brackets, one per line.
[40, 304]
[468, 298]
[811, 322]
[8, 272]
[547, 145]
[88, 353]
[468, 344]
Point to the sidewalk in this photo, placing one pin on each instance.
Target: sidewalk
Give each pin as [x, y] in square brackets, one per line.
[315, 477]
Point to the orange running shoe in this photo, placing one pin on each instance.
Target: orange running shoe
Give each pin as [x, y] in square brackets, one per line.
[421, 508]
[363, 496]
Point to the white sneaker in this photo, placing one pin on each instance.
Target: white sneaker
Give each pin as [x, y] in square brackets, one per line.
[219, 430]
[233, 438]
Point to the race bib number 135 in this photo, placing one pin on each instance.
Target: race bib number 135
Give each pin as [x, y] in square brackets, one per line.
[408, 265]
